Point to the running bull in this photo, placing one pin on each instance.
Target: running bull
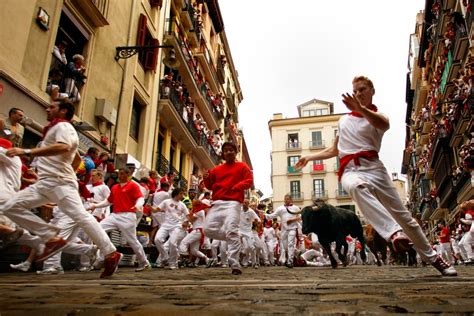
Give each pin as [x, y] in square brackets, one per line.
[333, 224]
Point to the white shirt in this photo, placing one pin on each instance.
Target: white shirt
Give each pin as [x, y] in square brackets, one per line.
[10, 173]
[284, 215]
[357, 134]
[176, 212]
[199, 216]
[270, 234]
[158, 197]
[101, 192]
[246, 220]
[59, 166]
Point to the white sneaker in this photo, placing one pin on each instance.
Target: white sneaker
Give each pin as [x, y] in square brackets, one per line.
[85, 269]
[92, 254]
[57, 270]
[22, 266]
[143, 267]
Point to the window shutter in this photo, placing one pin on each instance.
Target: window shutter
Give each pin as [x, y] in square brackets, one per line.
[141, 34]
[151, 55]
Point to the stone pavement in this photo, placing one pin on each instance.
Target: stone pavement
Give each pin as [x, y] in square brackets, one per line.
[275, 290]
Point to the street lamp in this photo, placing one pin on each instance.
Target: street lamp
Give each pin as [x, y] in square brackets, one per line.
[124, 52]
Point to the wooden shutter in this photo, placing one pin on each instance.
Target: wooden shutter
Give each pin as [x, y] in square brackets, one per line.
[151, 55]
[141, 34]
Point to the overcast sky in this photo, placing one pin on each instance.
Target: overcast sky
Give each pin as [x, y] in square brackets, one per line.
[289, 52]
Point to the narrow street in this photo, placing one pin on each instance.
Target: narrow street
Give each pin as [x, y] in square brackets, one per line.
[276, 290]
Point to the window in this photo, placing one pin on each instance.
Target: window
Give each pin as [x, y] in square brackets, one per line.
[318, 188]
[318, 165]
[340, 190]
[147, 58]
[293, 141]
[315, 112]
[295, 190]
[316, 139]
[292, 160]
[135, 120]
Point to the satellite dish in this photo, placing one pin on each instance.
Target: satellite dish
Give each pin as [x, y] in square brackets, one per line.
[170, 59]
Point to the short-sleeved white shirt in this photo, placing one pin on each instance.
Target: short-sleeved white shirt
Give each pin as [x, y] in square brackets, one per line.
[199, 222]
[158, 197]
[10, 173]
[176, 212]
[246, 220]
[284, 215]
[59, 166]
[357, 134]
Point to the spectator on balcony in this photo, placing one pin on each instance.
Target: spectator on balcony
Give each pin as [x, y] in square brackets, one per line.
[365, 178]
[195, 178]
[75, 78]
[11, 127]
[59, 51]
[167, 84]
[168, 177]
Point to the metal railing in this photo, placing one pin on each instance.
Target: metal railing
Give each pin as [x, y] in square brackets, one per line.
[297, 196]
[341, 194]
[162, 165]
[321, 194]
[317, 168]
[293, 170]
[218, 115]
[293, 145]
[317, 144]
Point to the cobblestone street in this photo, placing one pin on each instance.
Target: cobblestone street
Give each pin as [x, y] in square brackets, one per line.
[276, 290]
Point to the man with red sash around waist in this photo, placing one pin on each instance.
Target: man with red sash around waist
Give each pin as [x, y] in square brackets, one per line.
[228, 183]
[365, 178]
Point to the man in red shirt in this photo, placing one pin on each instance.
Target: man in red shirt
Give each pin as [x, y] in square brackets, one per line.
[228, 183]
[445, 243]
[127, 199]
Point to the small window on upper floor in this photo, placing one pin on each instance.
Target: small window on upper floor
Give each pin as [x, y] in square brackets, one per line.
[137, 109]
[147, 58]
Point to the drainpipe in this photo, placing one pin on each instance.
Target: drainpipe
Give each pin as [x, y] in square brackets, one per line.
[124, 73]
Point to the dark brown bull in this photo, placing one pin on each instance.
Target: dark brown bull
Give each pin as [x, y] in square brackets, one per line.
[376, 243]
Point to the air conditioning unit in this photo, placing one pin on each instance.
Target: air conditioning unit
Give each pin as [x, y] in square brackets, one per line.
[105, 111]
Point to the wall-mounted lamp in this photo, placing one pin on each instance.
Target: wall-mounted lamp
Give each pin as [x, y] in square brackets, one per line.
[124, 52]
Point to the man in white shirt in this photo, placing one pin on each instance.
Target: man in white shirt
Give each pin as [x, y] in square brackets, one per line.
[365, 178]
[289, 215]
[58, 184]
[247, 218]
[176, 221]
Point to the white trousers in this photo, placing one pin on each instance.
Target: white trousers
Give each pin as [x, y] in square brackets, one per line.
[271, 249]
[288, 241]
[219, 247]
[466, 243]
[446, 252]
[126, 223]
[176, 235]
[192, 242]
[65, 194]
[69, 231]
[222, 223]
[248, 248]
[378, 200]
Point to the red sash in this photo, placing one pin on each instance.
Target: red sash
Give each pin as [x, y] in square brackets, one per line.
[344, 161]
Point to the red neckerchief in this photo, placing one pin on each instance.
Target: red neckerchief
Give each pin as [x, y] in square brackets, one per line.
[97, 184]
[371, 107]
[51, 124]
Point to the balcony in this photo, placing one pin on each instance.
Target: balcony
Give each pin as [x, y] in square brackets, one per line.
[292, 171]
[217, 108]
[188, 18]
[163, 167]
[317, 144]
[221, 69]
[318, 168]
[297, 196]
[293, 146]
[319, 195]
[95, 10]
[207, 63]
[182, 127]
[188, 74]
[342, 195]
[461, 43]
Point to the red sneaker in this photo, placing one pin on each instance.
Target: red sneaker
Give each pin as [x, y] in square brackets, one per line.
[111, 264]
[401, 243]
[51, 248]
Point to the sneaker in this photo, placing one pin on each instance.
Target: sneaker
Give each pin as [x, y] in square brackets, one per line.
[56, 270]
[143, 267]
[256, 266]
[289, 265]
[111, 264]
[22, 266]
[51, 248]
[442, 266]
[159, 265]
[85, 269]
[401, 243]
[469, 262]
[173, 267]
[211, 263]
[225, 265]
[236, 271]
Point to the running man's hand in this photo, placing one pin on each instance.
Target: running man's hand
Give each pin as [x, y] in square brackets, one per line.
[301, 163]
[351, 102]
[91, 207]
[15, 152]
[205, 175]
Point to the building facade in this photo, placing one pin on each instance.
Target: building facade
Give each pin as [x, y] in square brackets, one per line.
[124, 105]
[438, 158]
[292, 138]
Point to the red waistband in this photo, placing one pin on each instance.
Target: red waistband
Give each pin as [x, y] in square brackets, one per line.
[344, 161]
